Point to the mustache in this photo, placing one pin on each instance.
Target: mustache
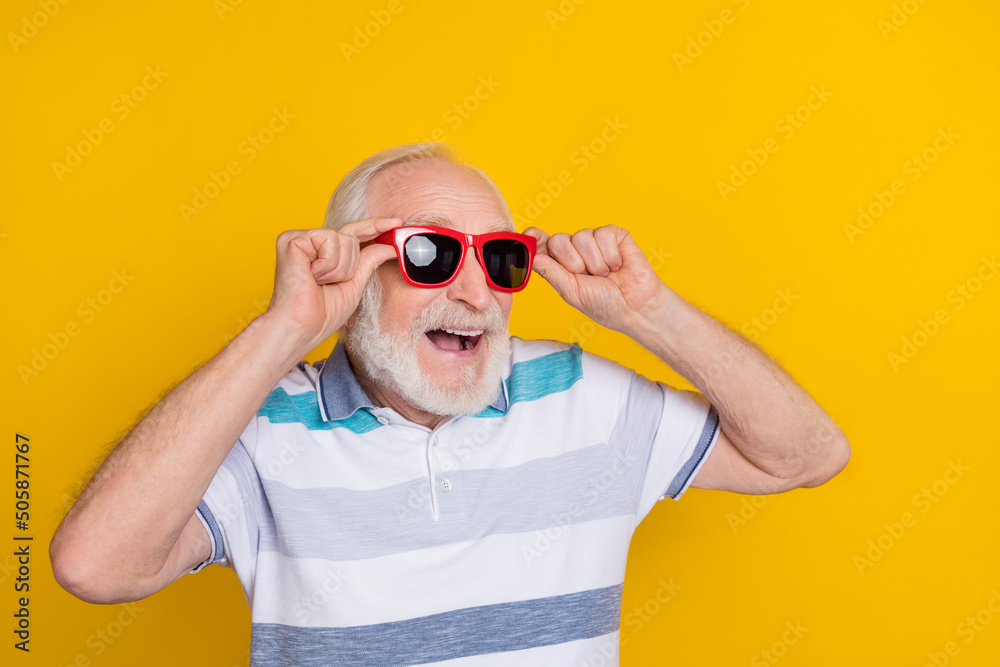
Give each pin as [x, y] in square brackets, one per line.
[450, 315]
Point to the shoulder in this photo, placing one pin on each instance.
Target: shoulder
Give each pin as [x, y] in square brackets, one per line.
[294, 399]
[552, 362]
[529, 350]
[522, 350]
[299, 381]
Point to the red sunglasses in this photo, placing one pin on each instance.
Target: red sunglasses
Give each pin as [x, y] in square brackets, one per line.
[433, 256]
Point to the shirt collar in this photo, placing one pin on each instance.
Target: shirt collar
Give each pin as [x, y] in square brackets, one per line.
[341, 395]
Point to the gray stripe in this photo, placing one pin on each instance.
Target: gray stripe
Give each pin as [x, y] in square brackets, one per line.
[342, 524]
[633, 432]
[251, 497]
[338, 388]
[495, 628]
[214, 532]
[707, 433]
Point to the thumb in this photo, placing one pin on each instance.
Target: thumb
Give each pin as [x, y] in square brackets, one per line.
[556, 275]
[371, 257]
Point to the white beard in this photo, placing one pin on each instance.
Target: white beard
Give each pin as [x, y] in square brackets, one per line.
[390, 359]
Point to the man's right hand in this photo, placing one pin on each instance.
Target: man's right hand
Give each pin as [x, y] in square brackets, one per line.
[321, 274]
[138, 511]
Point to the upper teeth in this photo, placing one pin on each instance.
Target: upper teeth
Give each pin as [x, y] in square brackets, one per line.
[477, 332]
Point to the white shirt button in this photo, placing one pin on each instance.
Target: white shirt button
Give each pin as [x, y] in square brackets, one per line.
[435, 441]
[382, 420]
[446, 485]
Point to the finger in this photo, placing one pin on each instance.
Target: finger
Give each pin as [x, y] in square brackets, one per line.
[629, 249]
[345, 295]
[369, 228]
[608, 238]
[343, 266]
[336, 251]
[303, 247]
[291, 242]
[583, 241]
[295, 253]
[292, 268]
[322, 248]
[541, 239]
[560, 248]
[369, 259]
[349, 257]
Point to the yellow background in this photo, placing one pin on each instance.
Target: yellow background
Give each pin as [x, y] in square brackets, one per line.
[794, 560]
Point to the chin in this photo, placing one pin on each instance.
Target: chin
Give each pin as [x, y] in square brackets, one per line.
[448, 363]
[468, 388]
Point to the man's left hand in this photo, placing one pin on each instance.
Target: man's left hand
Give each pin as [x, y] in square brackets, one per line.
[601, 272]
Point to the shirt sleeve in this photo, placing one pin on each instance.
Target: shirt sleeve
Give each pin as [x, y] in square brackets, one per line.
[664, 435]
[231, 508]
[686, 434]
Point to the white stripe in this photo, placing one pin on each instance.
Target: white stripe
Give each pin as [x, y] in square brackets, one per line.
[298, 381]
[397, 454]
[526, 350]
[595, 652]
[495, 569]
[684, 415]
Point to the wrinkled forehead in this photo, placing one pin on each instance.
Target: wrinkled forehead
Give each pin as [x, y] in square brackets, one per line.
[439, 219]
[436, 193]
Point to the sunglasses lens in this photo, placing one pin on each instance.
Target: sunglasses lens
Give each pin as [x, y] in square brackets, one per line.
[431, 258]
[506, 262]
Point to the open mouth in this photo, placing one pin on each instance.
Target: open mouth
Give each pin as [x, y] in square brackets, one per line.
[455, 340]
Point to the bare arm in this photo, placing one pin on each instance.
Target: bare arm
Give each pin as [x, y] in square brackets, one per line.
[774, 438]
[133, 529]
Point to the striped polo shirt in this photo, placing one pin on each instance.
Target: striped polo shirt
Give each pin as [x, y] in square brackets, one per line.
[500, 538]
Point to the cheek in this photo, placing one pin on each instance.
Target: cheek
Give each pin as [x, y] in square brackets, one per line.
[391, 318]
[506, 301]
[392, 286]
[401, 302]
[388, 273]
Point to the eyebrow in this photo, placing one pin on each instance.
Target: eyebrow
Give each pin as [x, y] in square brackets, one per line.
[437, 220]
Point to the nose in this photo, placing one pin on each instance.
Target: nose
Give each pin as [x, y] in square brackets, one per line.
[470, 285]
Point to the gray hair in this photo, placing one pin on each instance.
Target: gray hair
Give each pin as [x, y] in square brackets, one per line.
[350, 200]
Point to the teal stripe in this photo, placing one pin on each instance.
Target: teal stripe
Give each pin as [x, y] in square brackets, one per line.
[284, 408]
[528, 381]
[536, 378]
[551, 374]
[489, 413]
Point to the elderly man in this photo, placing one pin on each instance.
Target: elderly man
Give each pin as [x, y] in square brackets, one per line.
[436, 491]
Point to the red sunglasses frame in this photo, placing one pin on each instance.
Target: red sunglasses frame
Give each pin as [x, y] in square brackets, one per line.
[397, 238]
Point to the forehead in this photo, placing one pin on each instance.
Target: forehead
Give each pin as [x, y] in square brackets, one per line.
[433, 192]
